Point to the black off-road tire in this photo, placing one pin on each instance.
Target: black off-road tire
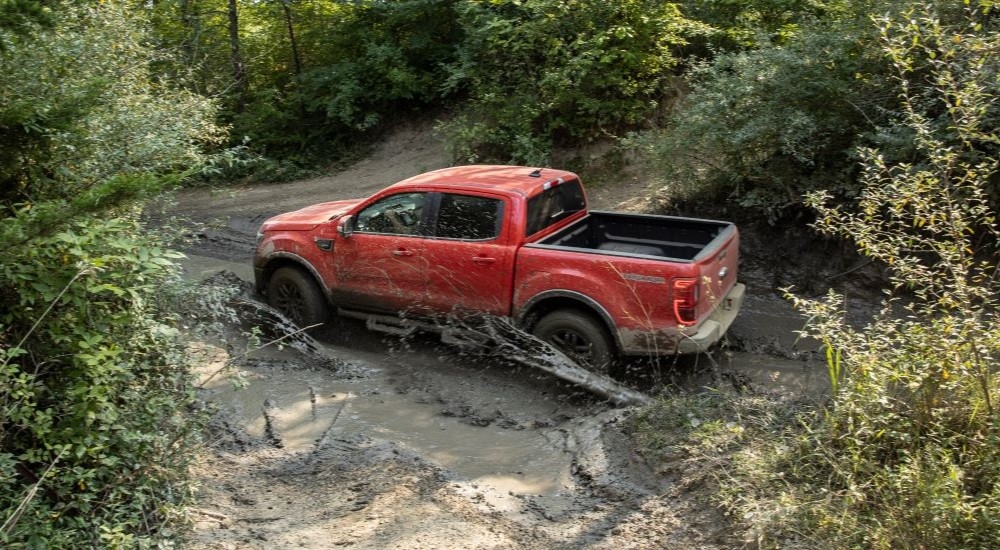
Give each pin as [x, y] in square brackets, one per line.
[581, 337]
[296, 295]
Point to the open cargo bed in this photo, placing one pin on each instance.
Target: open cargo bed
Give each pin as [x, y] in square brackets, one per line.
[679, 239]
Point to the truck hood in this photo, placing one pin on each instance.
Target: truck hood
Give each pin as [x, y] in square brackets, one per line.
[308, 217]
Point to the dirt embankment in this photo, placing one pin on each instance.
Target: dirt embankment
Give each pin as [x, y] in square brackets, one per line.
[405, 443]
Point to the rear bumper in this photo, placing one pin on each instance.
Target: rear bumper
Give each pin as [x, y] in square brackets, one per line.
[715, 327]
[669, 341]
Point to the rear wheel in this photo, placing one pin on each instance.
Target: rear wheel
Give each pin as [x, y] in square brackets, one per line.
[581, 337]
[296, 295]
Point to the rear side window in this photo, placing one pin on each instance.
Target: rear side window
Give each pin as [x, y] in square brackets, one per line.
[554, 204]
[468, 217]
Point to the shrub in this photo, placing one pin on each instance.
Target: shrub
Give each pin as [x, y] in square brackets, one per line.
[906, 454]
[542, 71]
[762, 127]
[78, 105]
[97, 405]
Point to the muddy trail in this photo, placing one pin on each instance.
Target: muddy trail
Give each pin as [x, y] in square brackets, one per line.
[371, 441]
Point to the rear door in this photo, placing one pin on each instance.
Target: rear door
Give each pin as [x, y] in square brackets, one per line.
[470, 264]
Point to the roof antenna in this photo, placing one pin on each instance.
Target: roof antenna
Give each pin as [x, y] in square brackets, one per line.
[536, 174]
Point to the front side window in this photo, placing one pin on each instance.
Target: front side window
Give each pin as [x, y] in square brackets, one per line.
[396, 214]
[468, 217]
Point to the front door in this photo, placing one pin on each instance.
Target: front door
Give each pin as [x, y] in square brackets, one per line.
[382, 266]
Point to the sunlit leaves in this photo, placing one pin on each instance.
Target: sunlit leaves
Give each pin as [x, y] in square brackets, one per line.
[93, 391]
[79, 104]
[913, 425]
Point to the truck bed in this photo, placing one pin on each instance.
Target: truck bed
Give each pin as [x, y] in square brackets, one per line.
[619, 234]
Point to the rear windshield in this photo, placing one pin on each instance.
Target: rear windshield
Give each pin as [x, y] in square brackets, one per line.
[555, 203]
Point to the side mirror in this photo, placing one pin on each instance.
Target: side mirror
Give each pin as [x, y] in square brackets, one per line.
[344, 228]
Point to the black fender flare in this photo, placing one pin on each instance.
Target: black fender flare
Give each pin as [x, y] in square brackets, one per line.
[525, 312]
[278, 259]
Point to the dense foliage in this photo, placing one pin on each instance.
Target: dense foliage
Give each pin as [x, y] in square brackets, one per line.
[98, 420]
[768, 124]
[79, 106]
[96, 402]
[549, 70]
[300, 80]
[907, 453]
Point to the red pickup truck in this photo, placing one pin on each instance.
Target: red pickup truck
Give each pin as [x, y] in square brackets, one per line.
[512, 242]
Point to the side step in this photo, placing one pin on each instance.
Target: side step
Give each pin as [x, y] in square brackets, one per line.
[465, 339]
[388, 324]
[396, 330]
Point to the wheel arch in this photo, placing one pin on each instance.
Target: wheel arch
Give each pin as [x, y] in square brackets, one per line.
[549, 301]
[287, 259]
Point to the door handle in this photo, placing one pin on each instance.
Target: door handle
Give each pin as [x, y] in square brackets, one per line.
[402, 252]
[483, 260]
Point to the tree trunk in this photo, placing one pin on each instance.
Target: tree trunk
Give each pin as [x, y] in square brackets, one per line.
[239, 68]
[296, 62]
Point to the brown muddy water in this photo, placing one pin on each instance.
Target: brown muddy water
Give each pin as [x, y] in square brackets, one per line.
[298, 408]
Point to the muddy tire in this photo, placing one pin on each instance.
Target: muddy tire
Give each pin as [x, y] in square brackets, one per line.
[295, 294]
[581, 337]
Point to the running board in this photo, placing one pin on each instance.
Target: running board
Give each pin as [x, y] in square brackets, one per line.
[388, 324]
[398, 326]
[464, 339]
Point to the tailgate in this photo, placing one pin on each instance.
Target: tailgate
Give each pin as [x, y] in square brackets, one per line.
[717, 265]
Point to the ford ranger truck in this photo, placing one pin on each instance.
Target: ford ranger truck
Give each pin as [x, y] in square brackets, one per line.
[511, 242]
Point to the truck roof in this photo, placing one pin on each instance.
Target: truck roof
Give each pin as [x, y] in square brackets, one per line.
[522, 180]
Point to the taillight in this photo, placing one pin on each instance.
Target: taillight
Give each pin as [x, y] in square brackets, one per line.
[686, 301]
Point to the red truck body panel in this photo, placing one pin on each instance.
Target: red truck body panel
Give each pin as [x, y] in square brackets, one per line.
[500, 270]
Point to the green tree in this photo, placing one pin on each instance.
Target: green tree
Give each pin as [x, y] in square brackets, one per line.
[20, 17]
[95, 396]
[540, 72]
[315, 74]
[764, 126]
[743, 24]
[80, 105]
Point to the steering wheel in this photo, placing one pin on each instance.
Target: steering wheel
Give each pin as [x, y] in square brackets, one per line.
[405, 216]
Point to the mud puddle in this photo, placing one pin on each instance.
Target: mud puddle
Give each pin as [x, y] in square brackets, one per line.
[297, 409]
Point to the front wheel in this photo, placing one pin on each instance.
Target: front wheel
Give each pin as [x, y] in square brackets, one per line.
[578, 335]
[297, 296]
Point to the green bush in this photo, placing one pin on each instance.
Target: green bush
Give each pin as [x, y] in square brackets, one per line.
[745, 24]
[97, 405]
[98, 420]
[79, 104]
[540, 72]
[906, 455]
[363, 66]
[762, 127]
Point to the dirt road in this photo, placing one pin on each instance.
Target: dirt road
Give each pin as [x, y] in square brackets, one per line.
[385, 443]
